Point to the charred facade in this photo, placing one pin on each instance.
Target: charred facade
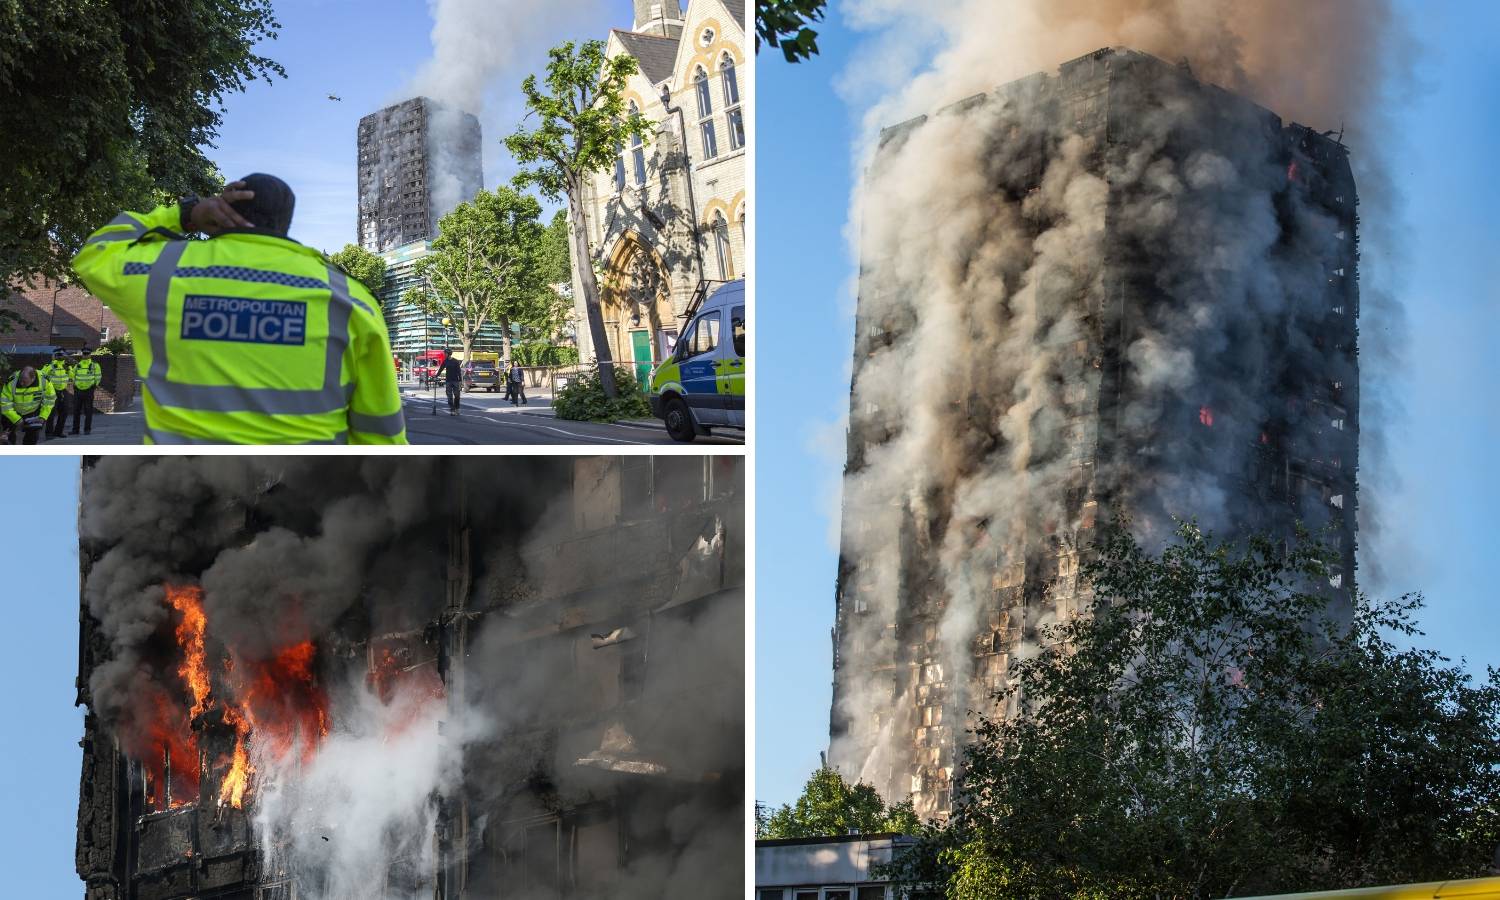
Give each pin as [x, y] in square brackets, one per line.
[532, 688]
[1139, 294]
[417, 160]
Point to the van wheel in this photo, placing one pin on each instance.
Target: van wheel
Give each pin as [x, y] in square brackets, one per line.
[679, 420]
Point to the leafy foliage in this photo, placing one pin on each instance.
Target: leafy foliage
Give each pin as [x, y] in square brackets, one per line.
[830, 806]
[583, 399]
[556, 260]
[360, 264]
[582, 124]
[539, 353]
[105, 105]
[483, 265]
[120, 345]
[1211, 728]
[784, 24]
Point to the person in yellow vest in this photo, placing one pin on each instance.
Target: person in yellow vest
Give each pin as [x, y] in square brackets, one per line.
[26, 401]
[59, 375]
[86, 377]
[247, 337]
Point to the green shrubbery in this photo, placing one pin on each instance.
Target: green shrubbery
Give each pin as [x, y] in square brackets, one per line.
[539, 354]
[119, 346]
[583, 400]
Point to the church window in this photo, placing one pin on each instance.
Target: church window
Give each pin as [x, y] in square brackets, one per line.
[705, 98]
[736, 119]
[731, 81]
[638, 151]
[710, 139]
[722, 248]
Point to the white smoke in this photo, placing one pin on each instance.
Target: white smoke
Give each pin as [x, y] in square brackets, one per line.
[478, 45]
[364, 810]
[976, 369]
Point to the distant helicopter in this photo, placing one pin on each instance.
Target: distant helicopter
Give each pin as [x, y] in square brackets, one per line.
[335, 97]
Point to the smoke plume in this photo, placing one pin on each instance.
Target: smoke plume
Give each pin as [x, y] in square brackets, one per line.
[474, 44]
[998, 238]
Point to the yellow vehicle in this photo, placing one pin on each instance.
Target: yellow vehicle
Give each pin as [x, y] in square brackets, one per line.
[1470, 889]
[701, 387]
[482, 371]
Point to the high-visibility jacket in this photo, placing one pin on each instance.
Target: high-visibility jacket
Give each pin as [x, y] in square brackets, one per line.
[58, 374]
[245, 338]
[87, 374]
[17, 402]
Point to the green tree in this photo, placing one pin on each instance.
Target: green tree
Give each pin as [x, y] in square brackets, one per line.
[830, 806]
[581, 125]
[362, 265]
[1211, 728]
[784, 24]
[557, 257]
[541, 320]
[483, 265]
[105, 105]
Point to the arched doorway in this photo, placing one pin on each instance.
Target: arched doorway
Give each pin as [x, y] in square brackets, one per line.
[636, 297]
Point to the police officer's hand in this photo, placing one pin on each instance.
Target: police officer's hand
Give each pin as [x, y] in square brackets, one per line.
[212, 215]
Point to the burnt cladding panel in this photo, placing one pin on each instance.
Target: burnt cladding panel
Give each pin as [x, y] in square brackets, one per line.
[395, 162]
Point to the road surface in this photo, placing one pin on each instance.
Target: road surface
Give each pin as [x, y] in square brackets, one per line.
[483, 418]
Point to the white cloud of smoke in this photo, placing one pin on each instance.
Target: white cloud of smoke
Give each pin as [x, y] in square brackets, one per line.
[475, 43]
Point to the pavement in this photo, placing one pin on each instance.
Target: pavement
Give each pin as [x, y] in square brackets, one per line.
[119, 428]
[483, 418]
[486, 418]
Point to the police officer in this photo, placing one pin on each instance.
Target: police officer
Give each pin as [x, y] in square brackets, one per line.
[86, 377]
[248, 337]
[59, 375]
[27, 397]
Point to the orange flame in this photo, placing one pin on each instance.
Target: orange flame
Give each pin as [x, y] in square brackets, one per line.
[194, 669]
[277, 700]
[236, 781]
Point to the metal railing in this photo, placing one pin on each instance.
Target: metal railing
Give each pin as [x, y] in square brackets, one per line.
[561, 375]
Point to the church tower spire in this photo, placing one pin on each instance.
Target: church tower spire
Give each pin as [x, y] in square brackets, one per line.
[661, 17]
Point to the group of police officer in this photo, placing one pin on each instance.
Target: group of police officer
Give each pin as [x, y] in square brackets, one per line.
[35, 400]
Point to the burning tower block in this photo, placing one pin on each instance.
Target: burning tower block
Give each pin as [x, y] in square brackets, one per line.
[1112, 287]
[412, 678]
[417, 160]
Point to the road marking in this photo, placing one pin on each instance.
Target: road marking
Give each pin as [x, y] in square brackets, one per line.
[571, 434]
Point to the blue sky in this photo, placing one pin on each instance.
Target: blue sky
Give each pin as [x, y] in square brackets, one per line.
[39, 775]
[1443, 445]
[367, 52]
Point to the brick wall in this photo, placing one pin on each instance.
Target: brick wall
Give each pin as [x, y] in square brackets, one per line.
[60, 316]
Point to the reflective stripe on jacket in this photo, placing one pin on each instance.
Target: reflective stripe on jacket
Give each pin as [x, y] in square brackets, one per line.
[16, 402]
[245, 338]
[87, 374]
[57, 374]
